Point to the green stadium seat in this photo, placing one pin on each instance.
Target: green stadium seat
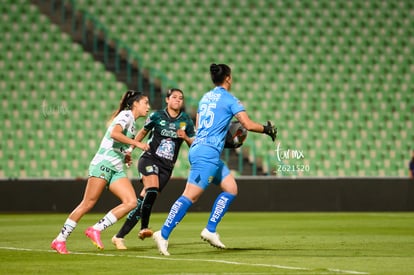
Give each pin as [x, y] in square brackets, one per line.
[302, 68]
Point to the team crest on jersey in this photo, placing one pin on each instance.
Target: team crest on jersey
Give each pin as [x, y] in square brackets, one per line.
[210, 179]
[183, 125]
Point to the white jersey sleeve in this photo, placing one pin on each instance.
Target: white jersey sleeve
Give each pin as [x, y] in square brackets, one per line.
[111, 152]
[125, 119]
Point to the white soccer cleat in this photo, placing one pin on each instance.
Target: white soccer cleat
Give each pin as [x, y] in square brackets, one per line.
[212, 238]
[162, 243]
[119, 243]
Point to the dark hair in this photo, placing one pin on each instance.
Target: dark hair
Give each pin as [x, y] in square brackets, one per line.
[219, 72]
[127, 100]
[170, 91]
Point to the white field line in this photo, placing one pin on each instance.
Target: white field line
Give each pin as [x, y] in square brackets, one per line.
[189, 260]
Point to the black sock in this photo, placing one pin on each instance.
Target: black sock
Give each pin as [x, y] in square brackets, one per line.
[131, 220]
[150, 196]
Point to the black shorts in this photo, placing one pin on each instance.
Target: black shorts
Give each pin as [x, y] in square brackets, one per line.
[150, 166]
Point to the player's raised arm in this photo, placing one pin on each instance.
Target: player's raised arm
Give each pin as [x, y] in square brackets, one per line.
[268, 129]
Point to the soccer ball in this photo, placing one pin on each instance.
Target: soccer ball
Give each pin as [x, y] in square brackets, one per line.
[236, 135]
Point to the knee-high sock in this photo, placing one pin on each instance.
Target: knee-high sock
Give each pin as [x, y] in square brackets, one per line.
[67, 229]
[177, 213]
[149, 199]
[131, 220]
[108, 220]
[220, 207]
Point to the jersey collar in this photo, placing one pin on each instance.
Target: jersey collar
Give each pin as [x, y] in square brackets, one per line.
[168, 114]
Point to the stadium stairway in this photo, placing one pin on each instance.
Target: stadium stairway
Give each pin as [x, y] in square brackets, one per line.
[62, 14]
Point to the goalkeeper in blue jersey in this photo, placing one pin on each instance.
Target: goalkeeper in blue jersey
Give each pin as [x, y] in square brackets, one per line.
[215, 111]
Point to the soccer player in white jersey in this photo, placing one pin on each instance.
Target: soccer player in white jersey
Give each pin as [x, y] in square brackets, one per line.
[107, 170]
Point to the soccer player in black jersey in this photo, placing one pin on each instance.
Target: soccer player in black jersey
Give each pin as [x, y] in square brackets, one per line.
[168, 129]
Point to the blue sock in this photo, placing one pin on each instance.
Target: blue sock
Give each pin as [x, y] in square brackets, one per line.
[221, 205]
[177, 213]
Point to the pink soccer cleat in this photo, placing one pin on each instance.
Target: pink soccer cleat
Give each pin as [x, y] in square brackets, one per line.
[60, 247]
[95, 236]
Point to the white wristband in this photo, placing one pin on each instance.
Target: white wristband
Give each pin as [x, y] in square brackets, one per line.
[129, 150]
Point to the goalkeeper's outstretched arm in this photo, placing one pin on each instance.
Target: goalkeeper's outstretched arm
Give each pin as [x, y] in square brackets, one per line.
[268, 129]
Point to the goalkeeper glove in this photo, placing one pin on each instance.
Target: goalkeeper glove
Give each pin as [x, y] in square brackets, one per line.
[270, 130]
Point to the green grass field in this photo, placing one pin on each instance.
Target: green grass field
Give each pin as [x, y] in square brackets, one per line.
[258, 243]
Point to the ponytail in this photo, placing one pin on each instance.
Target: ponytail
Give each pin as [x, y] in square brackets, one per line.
[126, 102]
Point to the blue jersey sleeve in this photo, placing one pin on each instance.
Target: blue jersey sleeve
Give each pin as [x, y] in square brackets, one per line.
[237, 106]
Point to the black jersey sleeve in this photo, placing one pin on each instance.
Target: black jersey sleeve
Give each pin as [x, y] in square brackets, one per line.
[150, 121]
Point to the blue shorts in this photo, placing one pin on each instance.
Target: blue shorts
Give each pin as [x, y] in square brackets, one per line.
[206, 166]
